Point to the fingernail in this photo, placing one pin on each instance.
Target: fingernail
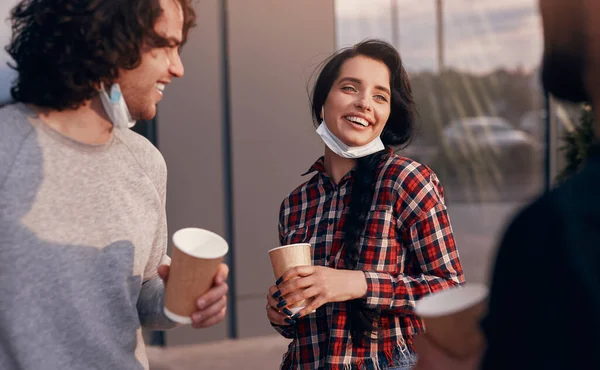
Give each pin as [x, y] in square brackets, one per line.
[201, 304]
[281, 304]
[279, 281]
[276, 294]
[290, 321]
[196, 317]
[287, 312]
[296, 316]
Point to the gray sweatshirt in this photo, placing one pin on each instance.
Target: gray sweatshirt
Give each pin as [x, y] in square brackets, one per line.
[82, 231]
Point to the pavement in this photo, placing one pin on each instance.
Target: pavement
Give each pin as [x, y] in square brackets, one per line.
[259, 353]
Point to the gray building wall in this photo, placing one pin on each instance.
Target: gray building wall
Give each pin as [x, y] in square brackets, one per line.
[190, 138]
[273, 48]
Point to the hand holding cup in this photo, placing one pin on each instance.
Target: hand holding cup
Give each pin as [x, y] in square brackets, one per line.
[195, 282]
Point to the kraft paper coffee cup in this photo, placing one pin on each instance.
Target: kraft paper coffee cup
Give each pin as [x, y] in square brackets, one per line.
[285, 257]
[196, 256]
[452, 318]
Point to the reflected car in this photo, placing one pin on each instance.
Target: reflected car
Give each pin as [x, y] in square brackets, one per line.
[489, 143]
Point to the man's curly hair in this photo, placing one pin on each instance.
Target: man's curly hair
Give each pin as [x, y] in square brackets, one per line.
[63, 49]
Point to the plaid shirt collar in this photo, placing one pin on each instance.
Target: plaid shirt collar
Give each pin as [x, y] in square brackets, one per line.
[319, 165]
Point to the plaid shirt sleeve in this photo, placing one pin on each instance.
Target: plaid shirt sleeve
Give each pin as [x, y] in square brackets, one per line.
[424, 226]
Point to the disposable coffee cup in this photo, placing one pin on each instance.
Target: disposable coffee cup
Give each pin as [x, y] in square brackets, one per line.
[452, 318]
[285, 257]
[195, 258]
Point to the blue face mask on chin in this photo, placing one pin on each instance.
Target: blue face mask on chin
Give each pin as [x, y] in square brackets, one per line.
[115, 107]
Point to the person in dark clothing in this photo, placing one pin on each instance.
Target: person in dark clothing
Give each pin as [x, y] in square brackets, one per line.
[544, 307]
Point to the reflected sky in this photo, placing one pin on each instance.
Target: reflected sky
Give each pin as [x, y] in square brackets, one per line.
[480, 35]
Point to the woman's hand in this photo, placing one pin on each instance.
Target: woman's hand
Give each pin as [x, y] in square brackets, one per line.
[318, 285]
[278, 315]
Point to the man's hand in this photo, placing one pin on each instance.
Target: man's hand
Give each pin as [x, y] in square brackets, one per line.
[430, 357]
[212, 306]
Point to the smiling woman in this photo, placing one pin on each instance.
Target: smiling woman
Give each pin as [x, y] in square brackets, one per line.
[377, 223]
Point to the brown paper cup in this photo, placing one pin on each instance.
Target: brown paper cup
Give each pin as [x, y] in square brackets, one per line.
[285, 257]
[195, 258]
[452, 318]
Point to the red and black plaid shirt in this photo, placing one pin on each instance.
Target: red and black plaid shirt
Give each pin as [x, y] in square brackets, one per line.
[407, 251]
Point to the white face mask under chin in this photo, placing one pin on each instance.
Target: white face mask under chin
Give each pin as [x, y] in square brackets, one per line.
[338, 147]
[115, 107]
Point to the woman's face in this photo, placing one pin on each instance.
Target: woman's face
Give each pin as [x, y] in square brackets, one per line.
[358, 105]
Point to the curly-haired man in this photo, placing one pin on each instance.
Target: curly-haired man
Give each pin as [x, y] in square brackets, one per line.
[83, 232]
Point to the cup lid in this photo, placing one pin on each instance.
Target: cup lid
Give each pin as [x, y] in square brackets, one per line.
[289, 246]
[452, 300]
[200, 243]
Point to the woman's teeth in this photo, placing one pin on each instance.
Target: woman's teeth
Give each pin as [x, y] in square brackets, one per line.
[361, 121]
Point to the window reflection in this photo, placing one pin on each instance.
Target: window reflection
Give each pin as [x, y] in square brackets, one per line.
[474, 69]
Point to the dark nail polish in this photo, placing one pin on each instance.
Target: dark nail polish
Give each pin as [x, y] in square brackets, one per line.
[296, 316]
[287, 312]
[281, 304]
[290, 321]
[279, 281]
[276, 294]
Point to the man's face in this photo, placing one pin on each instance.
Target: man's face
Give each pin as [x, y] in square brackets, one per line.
[565, 48]
[143, 86]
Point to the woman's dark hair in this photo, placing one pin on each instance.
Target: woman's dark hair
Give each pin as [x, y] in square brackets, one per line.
[63, 49]
[398, 132]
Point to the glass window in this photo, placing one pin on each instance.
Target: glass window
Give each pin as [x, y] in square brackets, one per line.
[474, 68]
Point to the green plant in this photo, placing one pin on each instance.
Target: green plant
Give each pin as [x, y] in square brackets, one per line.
[577, 143]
